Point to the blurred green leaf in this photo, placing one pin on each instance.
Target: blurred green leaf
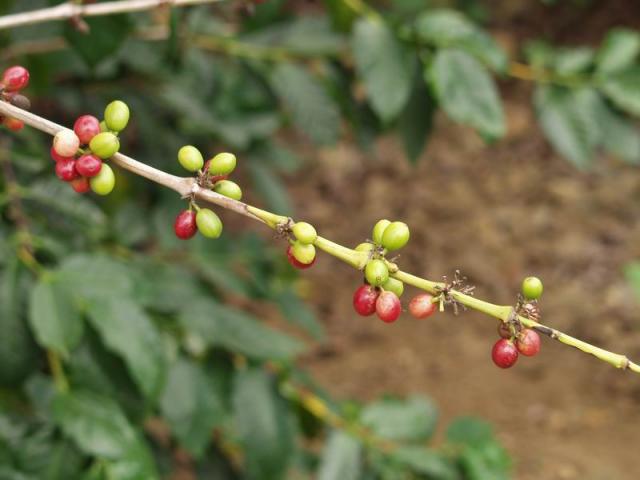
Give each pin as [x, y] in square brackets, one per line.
[341, 458]
[417, 119]
[425, 462]
[623, 88]
[619, 50]
[273, 191]
[632, 274]
[620, 136]
[410, 420]
[297, 312]
[106, 35]
[569, 61]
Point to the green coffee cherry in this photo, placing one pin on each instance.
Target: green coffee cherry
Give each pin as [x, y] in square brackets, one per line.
[228, 189]
[393, 285]
[395, 236]
[364, 247]
[116, 115]
[190, 158]
[378, 230]
[103, 126]
[222, 164]
[104, 182]
[209, 224]
[304, 253]
[304, 232]
[376, 273]
[105, 145]
[532, 288]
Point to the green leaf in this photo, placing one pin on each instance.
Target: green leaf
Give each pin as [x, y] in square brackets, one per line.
[619, 50]
[411, 420]
[632, 274]
[384, 65]
[425, 462]
[237, 331]
[569, 61]
[55, 321]
[466, 91]
[106, 35]
[263, 425]
[469, 430]
[417, 119]
[306, 99]
[623, 88]
[191, 405]
[341, 458]
[271, 188]
[127, 331]
[620, 136]
[297, 313]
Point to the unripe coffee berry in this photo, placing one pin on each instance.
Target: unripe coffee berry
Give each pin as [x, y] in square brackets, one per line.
[528, 342]
[80, 184]
[395, 236]
[103, 183]
[421, 306]
[209, 224]
[66, 170]
[228, 189]
[388, 307]
[504, 353]
[88, 165]
[304, 232]
[295, 262]
[105, 145]
[364, 300]
[116, 115]
[376, 272]
[86, 127]
[378, 230]
[222, 164]
[190, 158]
[364, 247]
[15, 78]
[304, 253]
[393, 285]
[532, 288]
[185, 225]
[103, 126]
[66, 143]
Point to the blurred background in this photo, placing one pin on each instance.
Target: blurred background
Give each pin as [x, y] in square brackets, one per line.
[504, 133]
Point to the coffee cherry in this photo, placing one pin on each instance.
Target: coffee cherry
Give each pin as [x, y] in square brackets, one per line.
[393, 285]
[504, 353]
[190, 158]
[116, 116]
[395, 236]
[80, 184]
[105, 145]
[66, 143]
[88, 165]
[13, 124]
[19, 101]
[364, 247]
[364, 300]
[376, 272]
[388, 307]
[528, 342]
[222, 164]
[103, 126]
[104, 182]
[56, 157]
[209, 224]
[15, 78]
[86, 127]
[532, 288]
[295, 262]
[185, 225]
[421, 306]
[228, 189]
[303, 253]
[66, 170]
[504, 330]
[304, 232]
[378, 230]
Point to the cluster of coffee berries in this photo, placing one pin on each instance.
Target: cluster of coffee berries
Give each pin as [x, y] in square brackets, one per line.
[14, 80]
[301, 252]
[514, 339]
[80, 153]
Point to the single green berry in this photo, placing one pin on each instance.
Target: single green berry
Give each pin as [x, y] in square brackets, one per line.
[103, 126]
[304, 232]
[532, 288]
[222, 164]
[395, 236]
[304, 253]
[378, 230]
[228, 189]
[116, 115]
[393, 285]
[364, 247]
[376, 273]
[104, 182]
[104, 145]
[209, 224]
[190, 158]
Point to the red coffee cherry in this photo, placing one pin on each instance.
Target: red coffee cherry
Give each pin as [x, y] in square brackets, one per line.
[15, 78]
[185, 225]
[56, 156]
[80, 184]
[88, 165]
[528, 342]
[86, 127]
[364, 300]
[388, 307]
[66, 170]
[421, 306]
[13, 124]
[296, 263]
[504, 353]
[504, 330]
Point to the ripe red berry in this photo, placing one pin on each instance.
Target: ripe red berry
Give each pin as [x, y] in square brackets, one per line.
[80, 184]
[66, 170]
[13, 124]
[15, 78]
[88, 165]
[364, 300]
[504, 353]
[421, 306]
[297, 263]
[56, 156]
[185, 225]
[504, 330]
[528, 342]
[388, 307]
[86, 127]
